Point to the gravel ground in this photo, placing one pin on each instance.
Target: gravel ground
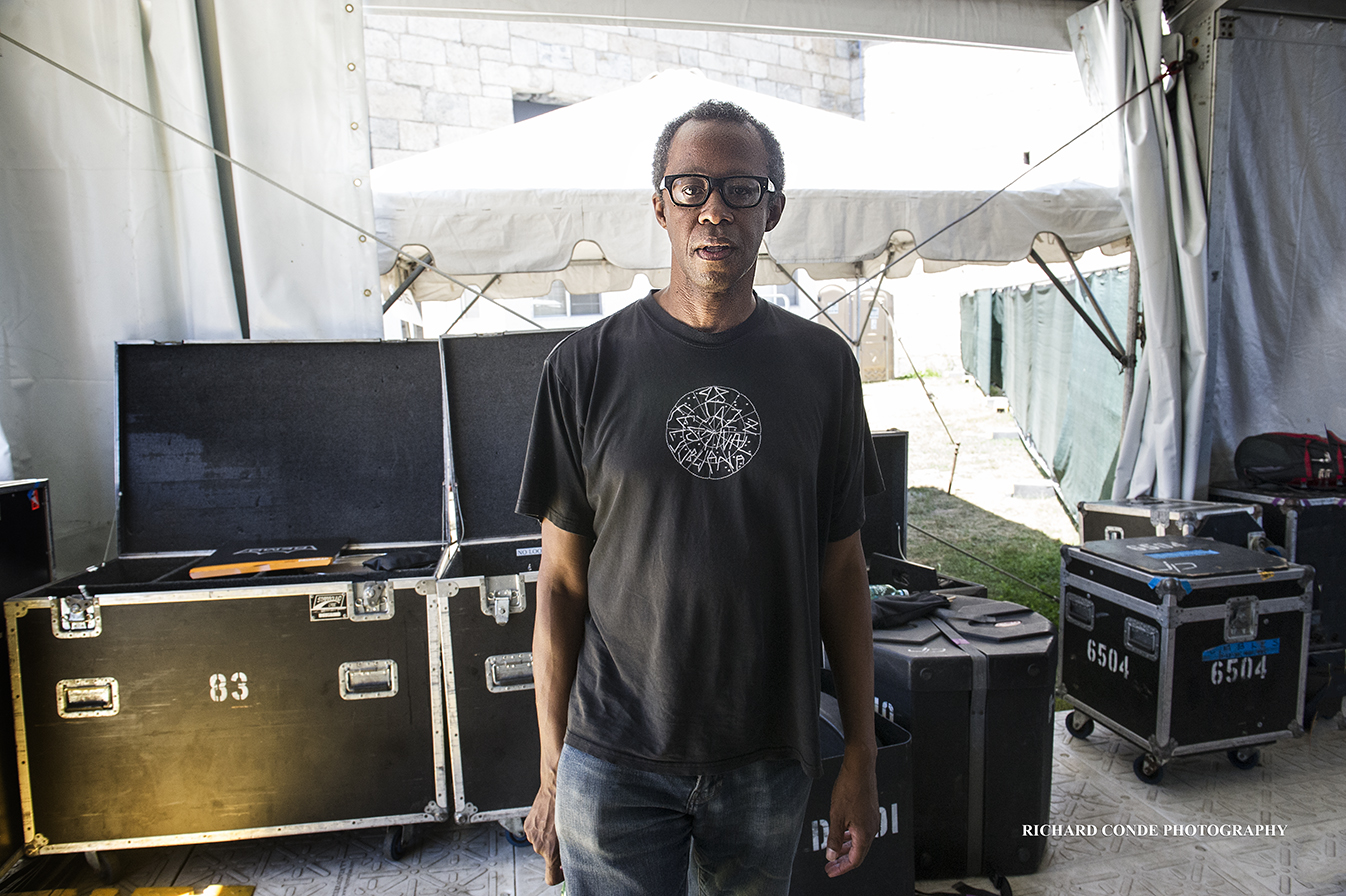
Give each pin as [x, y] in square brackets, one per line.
[991, 458]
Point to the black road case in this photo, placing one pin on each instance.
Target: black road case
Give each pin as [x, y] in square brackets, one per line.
[1236, 524]
[488, 596]
[155, 709]
[26, 562]
[1310, 524]
[26, 559]
[1183, 645]
[974, 685]
[885, 528]
[888, 869]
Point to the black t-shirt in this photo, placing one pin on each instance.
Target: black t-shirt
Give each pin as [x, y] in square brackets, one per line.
[710, 470]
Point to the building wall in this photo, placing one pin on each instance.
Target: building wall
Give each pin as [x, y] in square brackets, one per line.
[433, 80]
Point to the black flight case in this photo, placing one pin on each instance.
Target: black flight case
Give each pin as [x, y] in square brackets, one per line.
[1310, 526]
[488, 596]
[1183, 645]
[153, 708]
[26, 562]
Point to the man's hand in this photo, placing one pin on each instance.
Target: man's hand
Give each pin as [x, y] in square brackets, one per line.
[855, 813]
[540, 829]
[848, 636]
[558, 634]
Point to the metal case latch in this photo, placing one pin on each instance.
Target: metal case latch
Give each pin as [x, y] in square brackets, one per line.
[372, 601]
[502, 596]
[77, 616]
[1240, 619]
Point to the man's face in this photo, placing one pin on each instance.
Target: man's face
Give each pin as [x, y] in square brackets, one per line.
[715, 246]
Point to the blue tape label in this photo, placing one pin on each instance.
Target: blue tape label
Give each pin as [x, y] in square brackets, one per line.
[1242, 648]
[1169, 555]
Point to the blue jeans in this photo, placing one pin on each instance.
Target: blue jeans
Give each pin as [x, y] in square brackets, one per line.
[626, 832]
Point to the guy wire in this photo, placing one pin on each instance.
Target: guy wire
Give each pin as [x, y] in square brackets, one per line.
[985, 563]
[1168, 68]
[264, 178]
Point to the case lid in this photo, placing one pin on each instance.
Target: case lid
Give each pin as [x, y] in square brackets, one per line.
[985, 619]
[221, 442]
[1183, 556]
[1287, 495]
[1166, 508]
[491, 383]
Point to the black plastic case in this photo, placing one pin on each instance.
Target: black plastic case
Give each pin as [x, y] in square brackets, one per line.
[888, 869]
[975, 686]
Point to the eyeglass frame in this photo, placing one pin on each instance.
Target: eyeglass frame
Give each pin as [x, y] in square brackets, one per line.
[717, 186]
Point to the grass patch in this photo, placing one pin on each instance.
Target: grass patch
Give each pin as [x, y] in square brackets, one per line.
[1023, 552]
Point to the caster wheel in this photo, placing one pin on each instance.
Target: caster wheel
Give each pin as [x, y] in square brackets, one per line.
[514, 832]
[1079, 725]
[1246, 758]
[396, 841]
[105, 865]
[1148, 769]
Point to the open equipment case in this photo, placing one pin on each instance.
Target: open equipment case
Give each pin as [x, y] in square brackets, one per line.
[154, 709]
[488, 595]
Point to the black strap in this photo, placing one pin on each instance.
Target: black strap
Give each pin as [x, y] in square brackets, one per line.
[976, 770]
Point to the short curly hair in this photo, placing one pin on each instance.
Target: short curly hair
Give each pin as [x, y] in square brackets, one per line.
[720, 110]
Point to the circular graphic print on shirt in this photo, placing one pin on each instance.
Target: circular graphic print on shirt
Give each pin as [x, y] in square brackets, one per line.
[713, 432]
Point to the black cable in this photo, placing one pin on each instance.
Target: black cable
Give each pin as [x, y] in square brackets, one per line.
[983, 562]
[1168, 68]
[366, 234]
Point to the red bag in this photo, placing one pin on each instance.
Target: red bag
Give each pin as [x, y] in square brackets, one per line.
[1291, 458]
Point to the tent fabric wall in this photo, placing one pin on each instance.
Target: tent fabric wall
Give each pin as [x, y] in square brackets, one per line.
[1277, 268]
[1064, 388]
[1117, 44]
[111, 226]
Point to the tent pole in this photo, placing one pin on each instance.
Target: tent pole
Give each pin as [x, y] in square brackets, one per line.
[208, 35]
[1132, 331]
[1113, 349]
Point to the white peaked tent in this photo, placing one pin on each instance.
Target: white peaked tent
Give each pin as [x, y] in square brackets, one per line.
[566, 196]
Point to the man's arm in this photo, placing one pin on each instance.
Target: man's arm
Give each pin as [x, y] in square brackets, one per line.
[558, 633]
[848, 635]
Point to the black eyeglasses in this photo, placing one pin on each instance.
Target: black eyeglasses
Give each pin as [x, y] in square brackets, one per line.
[738, 191]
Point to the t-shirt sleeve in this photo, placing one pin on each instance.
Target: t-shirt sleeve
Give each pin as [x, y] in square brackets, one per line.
[553, 484]
[857, 472]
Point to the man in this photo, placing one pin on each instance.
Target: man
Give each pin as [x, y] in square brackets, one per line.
[698, 461]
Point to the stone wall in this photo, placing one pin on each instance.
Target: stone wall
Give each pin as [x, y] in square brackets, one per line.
[433, 80]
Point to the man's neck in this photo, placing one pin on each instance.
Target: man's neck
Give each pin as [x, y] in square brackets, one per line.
[708, 312]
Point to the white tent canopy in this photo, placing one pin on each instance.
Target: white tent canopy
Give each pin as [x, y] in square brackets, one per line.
[567, 195]
[1038, 24]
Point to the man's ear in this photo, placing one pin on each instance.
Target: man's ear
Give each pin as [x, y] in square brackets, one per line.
[658, 200]
[774, 210]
